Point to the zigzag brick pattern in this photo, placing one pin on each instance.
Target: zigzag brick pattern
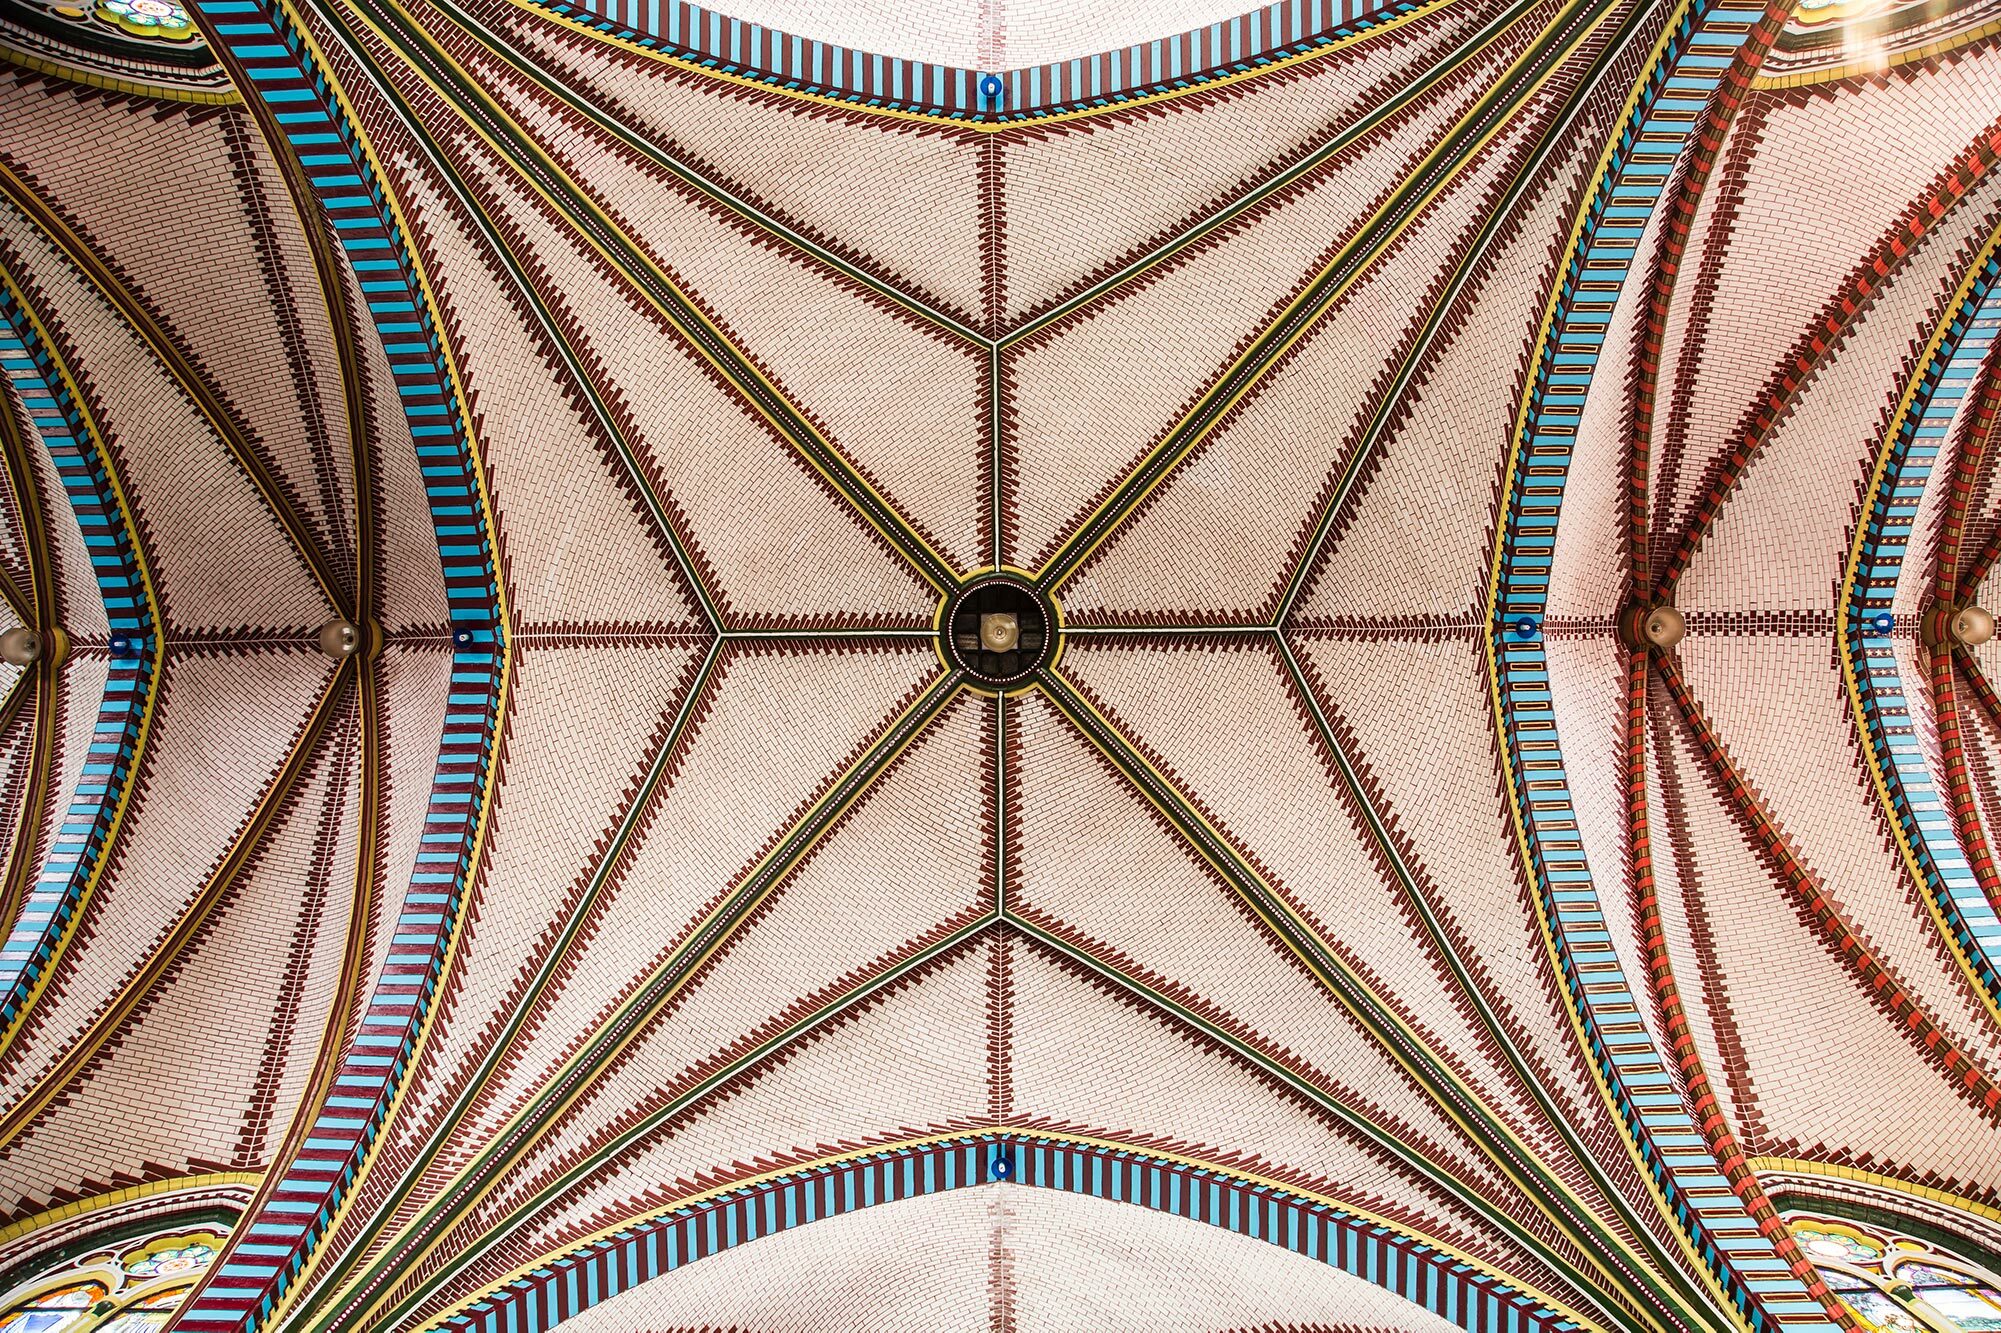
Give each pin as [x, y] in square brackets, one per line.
[75, 856]
[1701, 52]
[301, 1194]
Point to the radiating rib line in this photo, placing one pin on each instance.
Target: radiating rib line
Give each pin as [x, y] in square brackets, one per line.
[1826, 917]
[1703, 1104]
[193, 383]
[1461, 56]
[1446, 948]
[478, 111]
[1718, 113]
[634, 1135]
[1578, 23]
[1441, 1083]
[1822, 341]
[526, 1002]
[79, 847]
[165, 957]
[1469, 266]
[363, 1296]
[559, 342]
[342, 321]
[498, 47]
[1382, 1139]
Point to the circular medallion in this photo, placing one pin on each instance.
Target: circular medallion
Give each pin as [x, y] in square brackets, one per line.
[998, 630]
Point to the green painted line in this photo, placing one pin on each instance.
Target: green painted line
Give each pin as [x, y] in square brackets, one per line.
[1334, 975]
[551, 330]
[1393, 396]
[635, 1134]
[503, 50]
[1467, 50]
[476, 107]
[1382, 1139]
[1549, 51]
[625, 1022]
[498, 1044]
[1435, 930]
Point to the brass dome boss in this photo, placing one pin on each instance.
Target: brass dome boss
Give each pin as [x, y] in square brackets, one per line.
[998, 630]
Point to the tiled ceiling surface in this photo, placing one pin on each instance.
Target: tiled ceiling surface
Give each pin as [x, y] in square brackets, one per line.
[723, 875]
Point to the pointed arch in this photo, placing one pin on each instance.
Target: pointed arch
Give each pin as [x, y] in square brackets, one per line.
[1417, 1268]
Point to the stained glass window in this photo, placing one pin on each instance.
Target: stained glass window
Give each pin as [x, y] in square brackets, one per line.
[133, 1287]
[163, 20]
[1896, 1283]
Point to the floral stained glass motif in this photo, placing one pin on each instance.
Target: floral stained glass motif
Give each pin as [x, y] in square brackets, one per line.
[164, 20]
[1896, 1283]
[55, 1311]
[169, 1260]
[125, 1288]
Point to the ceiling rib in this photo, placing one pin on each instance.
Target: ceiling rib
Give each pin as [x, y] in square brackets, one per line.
[478, 111]
[554, 336]
[165, 957]
[193, 383]
[1955, 1064]
[1576, 24]
[1446, 946]
[1384, 1140]
[42, 679]
[51, 906]
[365, 1291]
[499, 48]
[609, 862]
[1435, 1075]
[1463, 56]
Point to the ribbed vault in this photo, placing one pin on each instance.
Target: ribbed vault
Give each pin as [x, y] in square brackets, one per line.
[1368, 912]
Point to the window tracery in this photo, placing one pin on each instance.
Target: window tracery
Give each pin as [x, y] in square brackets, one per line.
[122, 1288]
[1896, 1283]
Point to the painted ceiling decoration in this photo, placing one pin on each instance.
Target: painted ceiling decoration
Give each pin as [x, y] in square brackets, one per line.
[1033, 666]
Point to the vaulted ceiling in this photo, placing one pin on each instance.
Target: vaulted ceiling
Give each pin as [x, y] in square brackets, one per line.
[1367, 879]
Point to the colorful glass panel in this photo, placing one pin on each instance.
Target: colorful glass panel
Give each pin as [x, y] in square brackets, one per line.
[1897, 1283]
[135, 1289]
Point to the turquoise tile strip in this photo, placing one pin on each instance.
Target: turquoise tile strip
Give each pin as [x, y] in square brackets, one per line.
[260, 43]
[1695, 67]
[1420, 1273]
[1923, 817]
[707, 40]
[78, 845]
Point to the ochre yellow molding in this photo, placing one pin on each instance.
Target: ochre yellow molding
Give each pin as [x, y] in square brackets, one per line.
[162, 92]
[938, 630]
[830, 102]
[98, 1203]
[1796, 1167]
[1873, 748]
[1032, 1133]
[588, 203]
[1516, 1149]
[1711, 1281]
[1860, 69]
[525, 1128]
[503, 638]
[142, 566]
[1507, 87]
